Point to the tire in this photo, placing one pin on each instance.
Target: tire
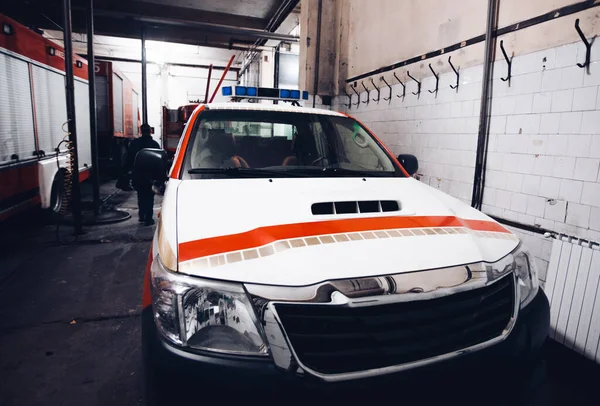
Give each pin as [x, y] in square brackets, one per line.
[58, 195]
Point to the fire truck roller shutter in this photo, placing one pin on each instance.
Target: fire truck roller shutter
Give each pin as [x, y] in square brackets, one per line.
[50, 108]
[51, 114]
[118, 104]
[16, 117]
[82, 119]
[134, 112]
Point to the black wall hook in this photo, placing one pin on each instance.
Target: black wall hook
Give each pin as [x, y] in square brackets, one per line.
[588, 46]
[368, 92]
[456, 72]
[508, 61]
[378, 92]
[387, 99]
[418, 84]
[437, 81]
[349, 105]
[403, 87]
[357, 94]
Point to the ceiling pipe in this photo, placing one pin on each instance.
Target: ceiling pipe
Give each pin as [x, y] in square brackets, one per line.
[274, 23]
[219, 29]
[185, 65]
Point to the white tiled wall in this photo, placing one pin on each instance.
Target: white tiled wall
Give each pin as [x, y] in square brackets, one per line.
[544, 144]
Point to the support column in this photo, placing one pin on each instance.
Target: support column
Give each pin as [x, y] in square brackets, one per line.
[92, 97]
[144, 81]
[70, 93]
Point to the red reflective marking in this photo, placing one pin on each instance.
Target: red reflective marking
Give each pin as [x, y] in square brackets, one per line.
[146, 297]
[266, 235]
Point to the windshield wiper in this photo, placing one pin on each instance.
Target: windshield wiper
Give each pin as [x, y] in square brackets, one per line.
[250, 172]
[348, 172]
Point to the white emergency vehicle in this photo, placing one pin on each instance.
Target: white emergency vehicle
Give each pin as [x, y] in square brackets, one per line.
[293, 245]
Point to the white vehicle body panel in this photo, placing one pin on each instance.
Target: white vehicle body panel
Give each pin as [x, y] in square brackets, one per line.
[209, 209]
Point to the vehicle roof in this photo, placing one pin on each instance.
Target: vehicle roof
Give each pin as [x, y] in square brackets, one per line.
[270, 107]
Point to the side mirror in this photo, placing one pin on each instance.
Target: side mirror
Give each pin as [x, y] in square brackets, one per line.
[150, 166]
[409, 162]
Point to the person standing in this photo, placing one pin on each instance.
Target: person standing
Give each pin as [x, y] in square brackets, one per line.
[143, 188]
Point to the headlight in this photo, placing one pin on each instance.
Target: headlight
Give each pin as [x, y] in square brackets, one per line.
[203, 314]
[520, 262]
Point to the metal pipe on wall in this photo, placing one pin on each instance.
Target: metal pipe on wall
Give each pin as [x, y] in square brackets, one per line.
[208, 83]
[70, 93]
[483, 137]
[222, 78]
[317, 51]
[144, 81]
[95, 175]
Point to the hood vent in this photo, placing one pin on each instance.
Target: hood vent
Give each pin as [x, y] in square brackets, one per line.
[351, 207]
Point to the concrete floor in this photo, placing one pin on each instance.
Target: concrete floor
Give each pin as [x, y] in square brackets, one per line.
[70, 325]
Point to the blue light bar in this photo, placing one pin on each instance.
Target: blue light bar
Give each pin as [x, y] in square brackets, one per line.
[226, 90]
[284, 94]
[305, 95]
[295, 94]
[251, 91]
[240, 90]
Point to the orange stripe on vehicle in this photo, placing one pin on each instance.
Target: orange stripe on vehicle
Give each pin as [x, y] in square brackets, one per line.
[266, 235]
[382, 144]
[176, 171]
[146, 297]
[484, 225]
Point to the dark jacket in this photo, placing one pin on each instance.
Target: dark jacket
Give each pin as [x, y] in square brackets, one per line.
[145, 141]
[136, 146]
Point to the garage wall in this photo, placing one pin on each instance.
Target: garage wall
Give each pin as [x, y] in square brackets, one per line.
[376, 36]
[544, 151]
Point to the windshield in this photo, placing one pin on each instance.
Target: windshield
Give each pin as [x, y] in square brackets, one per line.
[266, 144]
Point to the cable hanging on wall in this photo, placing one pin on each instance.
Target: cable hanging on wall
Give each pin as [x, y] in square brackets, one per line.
[358, 95]
[378, 92]
[588, 47]
[437, 81]
[418, 84]
[387, 99]
[456, 72]
[508, 61]
[403, 87]
[368, 93]
[349, 99]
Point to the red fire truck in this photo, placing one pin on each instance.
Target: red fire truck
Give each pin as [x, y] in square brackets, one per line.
[173, 124]
[33, 113]
[117, 115]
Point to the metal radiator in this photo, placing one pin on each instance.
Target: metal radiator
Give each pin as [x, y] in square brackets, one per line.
[573, 289]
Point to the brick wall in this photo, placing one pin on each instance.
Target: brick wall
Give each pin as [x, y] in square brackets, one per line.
[544, 146]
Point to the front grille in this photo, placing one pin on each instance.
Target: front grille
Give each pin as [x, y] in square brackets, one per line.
[332, 339]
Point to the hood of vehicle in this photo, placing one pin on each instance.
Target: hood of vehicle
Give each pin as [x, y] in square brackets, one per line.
[264, 231]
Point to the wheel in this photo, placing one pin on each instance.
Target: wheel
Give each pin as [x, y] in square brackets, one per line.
[58, 195]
